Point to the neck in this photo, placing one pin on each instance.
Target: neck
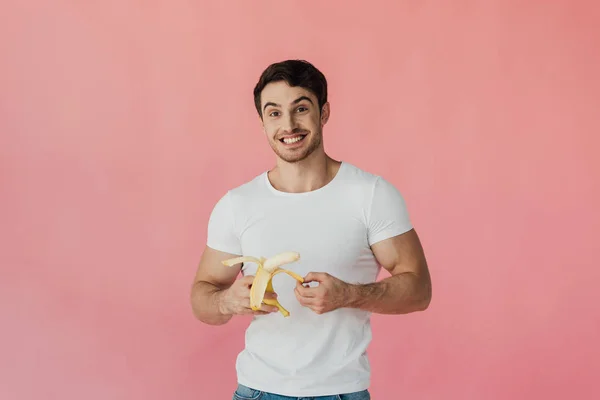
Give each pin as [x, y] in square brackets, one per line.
[312, 173]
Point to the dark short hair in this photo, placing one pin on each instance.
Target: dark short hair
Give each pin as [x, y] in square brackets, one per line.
[296, 73]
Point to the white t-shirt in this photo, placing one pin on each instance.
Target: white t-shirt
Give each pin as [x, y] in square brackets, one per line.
[307, 354]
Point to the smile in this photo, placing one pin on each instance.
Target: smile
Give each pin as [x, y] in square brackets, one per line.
[293, 139]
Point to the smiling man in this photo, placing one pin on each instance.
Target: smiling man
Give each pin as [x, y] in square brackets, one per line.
[345, 222]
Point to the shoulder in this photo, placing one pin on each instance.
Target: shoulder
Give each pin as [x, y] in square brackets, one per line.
[244, 192]
[363, 180]
[384, 207]
[371, 187]
[230, 205]
[249, 189]
[355, 177]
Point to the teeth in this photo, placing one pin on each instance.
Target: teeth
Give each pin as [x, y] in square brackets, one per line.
[292, 140]
[267, 269]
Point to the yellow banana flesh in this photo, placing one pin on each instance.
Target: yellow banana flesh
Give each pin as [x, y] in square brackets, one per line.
[262, 283]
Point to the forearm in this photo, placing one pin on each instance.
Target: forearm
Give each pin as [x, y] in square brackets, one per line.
[399, 294]
[205, 301]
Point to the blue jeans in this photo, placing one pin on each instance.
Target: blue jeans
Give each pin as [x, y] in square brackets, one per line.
[245, 393]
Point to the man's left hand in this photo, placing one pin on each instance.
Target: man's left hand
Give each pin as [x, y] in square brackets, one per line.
[330, 294]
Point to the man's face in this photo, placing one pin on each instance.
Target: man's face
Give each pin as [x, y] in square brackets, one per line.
[292, 120]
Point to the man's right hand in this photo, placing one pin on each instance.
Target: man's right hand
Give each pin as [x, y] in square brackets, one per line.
[236, 299]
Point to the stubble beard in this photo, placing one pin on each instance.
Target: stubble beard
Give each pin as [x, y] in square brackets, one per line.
[297, 156]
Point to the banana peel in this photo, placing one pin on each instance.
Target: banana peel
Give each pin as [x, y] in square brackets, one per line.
[267, 269]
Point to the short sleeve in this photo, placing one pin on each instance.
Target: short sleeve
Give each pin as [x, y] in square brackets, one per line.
[221, 233]
[387, 215]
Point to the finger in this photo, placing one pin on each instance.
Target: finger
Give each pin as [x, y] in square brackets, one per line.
[270, 295]
[268, 309]
[305, 301]
[263, 307]
[318, 309]
[305, 291]
[315, 277]
[245, 311]
[303, 284]
[263, 310]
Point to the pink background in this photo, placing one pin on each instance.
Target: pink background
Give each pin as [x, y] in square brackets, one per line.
[123, 122]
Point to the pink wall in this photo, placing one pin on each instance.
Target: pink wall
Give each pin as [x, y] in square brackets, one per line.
[122, 124]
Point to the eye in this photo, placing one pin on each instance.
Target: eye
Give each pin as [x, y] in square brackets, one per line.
[302, 109]
[274, 113]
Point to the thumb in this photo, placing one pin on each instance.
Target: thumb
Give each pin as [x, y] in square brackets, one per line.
[315, 277]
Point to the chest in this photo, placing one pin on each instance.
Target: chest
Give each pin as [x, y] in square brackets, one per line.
[331, 239]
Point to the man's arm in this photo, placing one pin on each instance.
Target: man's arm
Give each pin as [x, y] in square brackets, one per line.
[409, 287]
[211, 279]
[217, 295]
[406, 291]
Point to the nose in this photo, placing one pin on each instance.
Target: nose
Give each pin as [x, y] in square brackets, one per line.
[288, 123]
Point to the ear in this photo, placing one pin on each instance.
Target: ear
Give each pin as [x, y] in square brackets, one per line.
[325, 113]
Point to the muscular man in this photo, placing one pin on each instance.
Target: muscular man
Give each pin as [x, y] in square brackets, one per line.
[344, 221]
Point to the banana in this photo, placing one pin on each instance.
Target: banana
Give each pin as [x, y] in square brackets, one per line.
[267, 269]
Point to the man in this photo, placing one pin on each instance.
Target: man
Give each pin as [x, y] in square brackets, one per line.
[344, 222]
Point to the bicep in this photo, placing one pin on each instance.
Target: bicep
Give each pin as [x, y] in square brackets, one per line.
[211, 269]
[401, 254]
[222, 243]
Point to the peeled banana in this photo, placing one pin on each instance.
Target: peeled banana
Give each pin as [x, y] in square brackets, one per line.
[267, 269]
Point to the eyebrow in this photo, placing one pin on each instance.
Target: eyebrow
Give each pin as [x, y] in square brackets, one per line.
[298, 100]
